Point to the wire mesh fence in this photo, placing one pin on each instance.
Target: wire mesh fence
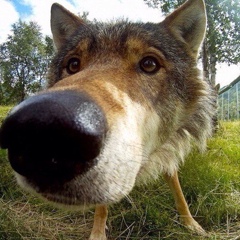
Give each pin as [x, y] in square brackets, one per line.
[229, 101]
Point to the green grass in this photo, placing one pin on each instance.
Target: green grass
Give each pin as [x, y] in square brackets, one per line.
[3, 112]
[211, 184]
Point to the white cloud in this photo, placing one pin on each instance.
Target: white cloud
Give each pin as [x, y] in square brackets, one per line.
[101, 10]
[8, 16]
[109, 9]
[41, 13]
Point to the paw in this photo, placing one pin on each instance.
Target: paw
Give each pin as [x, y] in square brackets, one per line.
[196, 228]
[193, 226]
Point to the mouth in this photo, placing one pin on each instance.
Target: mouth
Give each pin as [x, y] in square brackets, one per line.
[108, 181]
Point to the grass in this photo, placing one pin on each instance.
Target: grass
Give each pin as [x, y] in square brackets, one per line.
[3, 112]
[211, 184]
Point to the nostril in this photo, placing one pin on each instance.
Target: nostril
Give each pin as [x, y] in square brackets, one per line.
[54, 134]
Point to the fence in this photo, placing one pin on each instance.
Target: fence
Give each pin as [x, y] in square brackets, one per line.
[229, 101]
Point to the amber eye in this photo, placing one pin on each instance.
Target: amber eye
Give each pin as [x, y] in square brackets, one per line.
[149, 64]
[73, 65]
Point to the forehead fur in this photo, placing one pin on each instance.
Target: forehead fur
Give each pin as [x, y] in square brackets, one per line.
[119, 37]
[114, 36]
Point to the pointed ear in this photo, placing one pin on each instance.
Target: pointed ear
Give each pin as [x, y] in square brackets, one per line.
[188, 23]
[63, 24]
[217, 88]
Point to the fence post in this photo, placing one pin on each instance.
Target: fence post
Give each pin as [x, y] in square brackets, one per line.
[222, 107]
[228, 105]
[237, 100]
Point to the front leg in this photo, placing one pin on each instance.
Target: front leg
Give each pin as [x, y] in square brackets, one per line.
[181, 204]
[99, 225]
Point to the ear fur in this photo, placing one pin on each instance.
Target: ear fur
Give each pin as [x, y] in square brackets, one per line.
[63, 24]
[188, 23]
[217, 87]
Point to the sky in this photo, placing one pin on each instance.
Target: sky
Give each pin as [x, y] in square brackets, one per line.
[134, 10]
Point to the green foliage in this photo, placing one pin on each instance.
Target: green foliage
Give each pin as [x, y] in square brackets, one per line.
[210, 181]
[3, 112]
[24, 59]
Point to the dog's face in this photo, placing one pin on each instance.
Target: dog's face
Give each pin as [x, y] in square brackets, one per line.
[117, 94]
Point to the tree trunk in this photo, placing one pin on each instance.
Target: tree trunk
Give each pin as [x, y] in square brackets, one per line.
[22, 93]
[209, 65]
[205, 61]
[213, 70]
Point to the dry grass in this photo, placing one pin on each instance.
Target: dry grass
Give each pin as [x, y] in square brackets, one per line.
[29, 218]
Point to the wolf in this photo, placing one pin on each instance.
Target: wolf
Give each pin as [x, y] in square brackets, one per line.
[125, 102]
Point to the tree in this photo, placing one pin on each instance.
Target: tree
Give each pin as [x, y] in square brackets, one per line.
[24, 60]
[222, 42]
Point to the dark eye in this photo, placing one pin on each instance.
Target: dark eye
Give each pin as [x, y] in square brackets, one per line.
[73, 65]
[149, 65]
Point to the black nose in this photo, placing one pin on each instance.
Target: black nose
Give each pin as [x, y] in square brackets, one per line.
[54, 136]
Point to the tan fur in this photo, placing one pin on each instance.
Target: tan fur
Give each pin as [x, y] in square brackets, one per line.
[153, 119]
